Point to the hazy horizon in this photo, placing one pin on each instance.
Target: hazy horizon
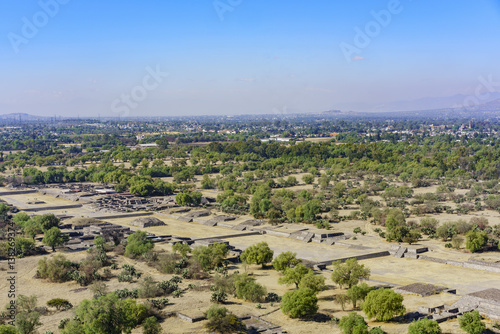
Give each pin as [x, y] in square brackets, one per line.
[70, 58]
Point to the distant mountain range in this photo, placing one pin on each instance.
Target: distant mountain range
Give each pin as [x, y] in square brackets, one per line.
[22, 117]
[457, 104]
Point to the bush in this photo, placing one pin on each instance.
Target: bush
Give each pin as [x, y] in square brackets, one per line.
[182, 249]
[349, 273]
[471, 323]
[126, 293]
[168, 286]
[248, 289]
[353, 324]
[55, 269]
[258, 254]
[218, 297]
[220, 321]
[59, 303]
[300, 303]
[475, 240]
[159, 303]
[148, 288]
[272, 298]
[138, 244]
[424, 326]
[211, 256]
[151, 326]
[63, 323]
[383, 304]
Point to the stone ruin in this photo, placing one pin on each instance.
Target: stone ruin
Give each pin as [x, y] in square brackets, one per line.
[120, 203]
[219, 221]
[421, 289]
[83, 235]
[486, 302]
[147, 222]
[407, 252]
[191, 216]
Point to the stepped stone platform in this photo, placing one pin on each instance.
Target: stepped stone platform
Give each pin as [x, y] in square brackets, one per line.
[486, 302]
[420, 289]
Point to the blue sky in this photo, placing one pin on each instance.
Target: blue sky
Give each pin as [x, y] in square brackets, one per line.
[240, 56]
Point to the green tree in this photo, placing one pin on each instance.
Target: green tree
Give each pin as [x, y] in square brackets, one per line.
[20, 218]
[349, 273]
[353, 324]
[471, 323]
[248, 289]
[181, 248]
[210, 257]
[258, 254]
[138, 244]
[475, 240]
[23, 246]
[54, 237]
[300, 303]
[27, 322]
[183, 199]
[308, 178]
[383, 304]
[27, 319]
[424, 326]
[47, 221]
[295, 275]
[73, 327]
[285, 260]
[313, 282]
[358, 293]
[31, 228]
[110, 315]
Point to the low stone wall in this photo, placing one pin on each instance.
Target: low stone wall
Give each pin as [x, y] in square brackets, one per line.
[323, 264]
[47, 208]
[188, 318]
[17, 192]
[124, 215]
[278, 233]
[477, 265]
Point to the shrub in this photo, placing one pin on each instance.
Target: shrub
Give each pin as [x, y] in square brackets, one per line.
[148, 288]
[63, 323]
[248, 289]
[349, 273]
[211, 256]
[471, 323]
[353, 324]
[218, 297]
[219, 320]
[55, 269]
[424, 326]
[59, 303]
[159, 303]
[300, 303]
[138, 244]
[151, 326]
[383, 304]
[475, 240]
[258, 254]
[126, 293]
[272, 297]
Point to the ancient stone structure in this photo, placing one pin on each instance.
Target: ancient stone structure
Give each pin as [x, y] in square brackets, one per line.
[147, 222]
[487, 302]
[420, 289]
